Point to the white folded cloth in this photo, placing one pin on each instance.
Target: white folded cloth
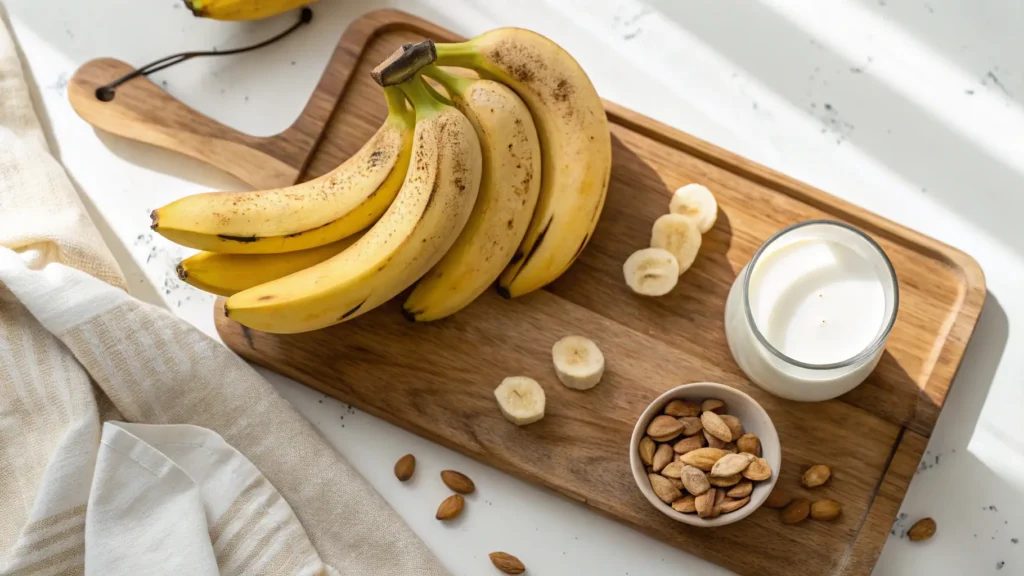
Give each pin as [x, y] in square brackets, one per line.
[130, 442]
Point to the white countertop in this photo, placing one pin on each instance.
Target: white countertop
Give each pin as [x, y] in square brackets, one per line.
[912, 109]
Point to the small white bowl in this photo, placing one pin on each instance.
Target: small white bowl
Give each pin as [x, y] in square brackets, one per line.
[754, 420]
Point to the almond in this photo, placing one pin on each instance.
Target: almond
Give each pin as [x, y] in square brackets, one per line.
[758, 470]
[694, 481]
[451, 507]
[796, 512]
[457, 481]
[777, 499]
[664, 428]
[647, 447]
[673, 470]
[732, 504]
[662, 456]
[741, 490]
[730, 447]
[826, 510]
[405, 467]
[712, 441]
[507, 563]
[680, 408]
[749, 443]
[705, 503]
[689, 444]
[923, 529]
[677, 483]
[719, 498]
[685, 505]
[731, 464]
[691, 425]
[703, 458]
[734, 424]
[725, 481]
[714, 425]
[816, 476]
[664, 489]
[713, 405]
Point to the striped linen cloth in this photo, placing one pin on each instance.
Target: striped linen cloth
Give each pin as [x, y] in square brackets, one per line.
[130, 442]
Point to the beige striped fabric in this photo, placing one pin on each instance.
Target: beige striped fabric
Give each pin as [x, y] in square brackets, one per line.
[131, 443]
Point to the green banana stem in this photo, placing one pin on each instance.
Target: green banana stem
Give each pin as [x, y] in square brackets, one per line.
[462, 54]
[399, 112]
[418, 93]
[451, 82]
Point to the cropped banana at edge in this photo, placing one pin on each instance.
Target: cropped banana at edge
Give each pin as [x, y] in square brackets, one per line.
[320, 211]
[574, 139]
[508, 196]
[242, 9]
[420, 226]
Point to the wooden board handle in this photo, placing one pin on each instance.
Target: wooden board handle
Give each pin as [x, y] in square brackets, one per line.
[142, 111]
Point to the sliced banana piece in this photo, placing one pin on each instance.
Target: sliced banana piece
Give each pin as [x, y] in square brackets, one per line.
[521, 400]
[579, 363]
[680, 236]
[696, 202]
[651, 271]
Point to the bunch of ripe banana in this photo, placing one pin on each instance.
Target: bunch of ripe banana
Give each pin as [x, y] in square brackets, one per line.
[501, 179]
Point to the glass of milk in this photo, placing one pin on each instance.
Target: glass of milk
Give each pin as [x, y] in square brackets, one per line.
[807, 319]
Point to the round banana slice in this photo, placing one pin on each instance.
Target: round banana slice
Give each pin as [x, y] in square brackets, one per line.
[521, 400]
[680, 236]
[696, 202]
[651, 271]
[579, 363]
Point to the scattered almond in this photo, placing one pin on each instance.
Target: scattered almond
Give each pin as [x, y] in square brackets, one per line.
[796, 512]
[451, 507]
[673, 470]
[703, 458]
[691, 425]
[664, 428]
[725, 481]
[712, 441]
[457, 481]
[507, 563]
[713, 405]
[714, 425]
[923, 529]
[749, 443]
[681, 408]
[662, 456]
[758, 470]
[685, 505]
[734, 424]
[664, 489]
[741, 490]
[689, 444]
[405, 467]
[826, 510]
[730, 447]
[695, 481]
[647, 448]
[705, 503]
[816, 476]
[731, 464]
[731, 504]
[777, 499]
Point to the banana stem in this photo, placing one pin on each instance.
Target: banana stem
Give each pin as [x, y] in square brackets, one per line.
[395, 99]
[417, 91]
[462, 54]
[451, 82]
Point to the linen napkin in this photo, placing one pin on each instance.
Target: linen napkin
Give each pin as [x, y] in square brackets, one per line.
[130, 442]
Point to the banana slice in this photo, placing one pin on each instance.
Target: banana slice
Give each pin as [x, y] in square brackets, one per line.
[521, 400]
[579, 363]
[651, 271]
[696, 202]
[680, 236]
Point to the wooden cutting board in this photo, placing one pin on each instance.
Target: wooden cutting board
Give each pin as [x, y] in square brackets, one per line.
[437, 379]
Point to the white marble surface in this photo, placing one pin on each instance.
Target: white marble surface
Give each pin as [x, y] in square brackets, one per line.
[912, 109]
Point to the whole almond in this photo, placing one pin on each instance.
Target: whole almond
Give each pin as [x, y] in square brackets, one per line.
[405, 467]
[662, 456]
[673, 470]
[741, 490]
[749, 443]
[647, 447]
[713, 405]
[451, 507]
[758, 470]
[719, 498]
[923, 529]
[664, 428]
[689, 444]
[826, 510]
[691, 425]
[816, 476]
[732, 504]
[725, 481]
[457, 481]
[685, 505]
[777, 499]
[734, 424]
[705, 503]
[714, 425]
[731, 464]
[712, 441]
[703, 458]
[796, 512]
[507, 563]
[664, 489]
[677, 483]
[730, 447]
[680, 408]
[694, 480]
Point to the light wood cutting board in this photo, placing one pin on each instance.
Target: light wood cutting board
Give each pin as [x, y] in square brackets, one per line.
[437, 379]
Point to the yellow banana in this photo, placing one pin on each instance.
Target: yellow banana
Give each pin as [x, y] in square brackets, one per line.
[508, 195]
[242, 9]
[320, 211]
[420, 226]
[574, 141]
[225, 274]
